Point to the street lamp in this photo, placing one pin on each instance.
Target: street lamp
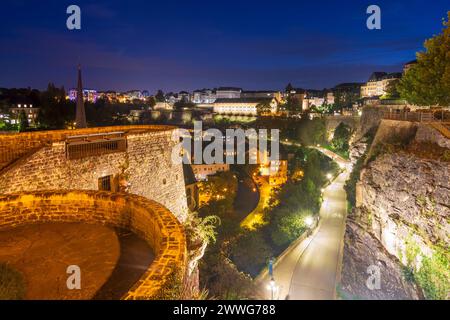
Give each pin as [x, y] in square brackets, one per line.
[309, 221]
[272, 286]
[329, 176]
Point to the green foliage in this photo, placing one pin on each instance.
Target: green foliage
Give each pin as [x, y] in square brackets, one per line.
[12, 285]
[55, 110]
[251, 252]
[323, 109]
[202, 229]
[408, 274]
[434, 275]
[446, 156]
[5, 126]
[290, 226]
[173, 288]
[263, 108]
[312, 132]
[222, 278]
[341, 138]
[159, 96]
[428, 82]
[391, 90]
[23, 121]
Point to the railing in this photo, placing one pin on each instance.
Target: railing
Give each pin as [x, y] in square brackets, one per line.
[78, 147]
[409, 116]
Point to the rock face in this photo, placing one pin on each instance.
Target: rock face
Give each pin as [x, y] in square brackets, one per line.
[402, 202]
[362, 252]
[405, 196]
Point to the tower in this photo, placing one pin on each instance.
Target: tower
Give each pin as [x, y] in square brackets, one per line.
[80, 118]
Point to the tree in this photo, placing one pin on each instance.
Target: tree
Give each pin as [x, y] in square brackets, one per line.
[151, 101]
[428, 81]
[341, 137]
[289, 88]
[23, 121]
[263, 108]
[392, 90]
[251, 252]
[159, 96]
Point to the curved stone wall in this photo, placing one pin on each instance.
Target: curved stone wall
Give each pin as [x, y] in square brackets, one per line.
[146, 218]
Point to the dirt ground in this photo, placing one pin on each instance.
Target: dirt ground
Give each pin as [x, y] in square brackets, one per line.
[111, 261]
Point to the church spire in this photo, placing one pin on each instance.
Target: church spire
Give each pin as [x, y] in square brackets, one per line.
[80, 119]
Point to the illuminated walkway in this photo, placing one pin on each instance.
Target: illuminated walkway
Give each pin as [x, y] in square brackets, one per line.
[309, 270]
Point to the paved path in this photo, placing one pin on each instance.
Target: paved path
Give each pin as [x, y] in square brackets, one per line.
[310, 268]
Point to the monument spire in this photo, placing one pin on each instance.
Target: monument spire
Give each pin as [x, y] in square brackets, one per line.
[80, 118]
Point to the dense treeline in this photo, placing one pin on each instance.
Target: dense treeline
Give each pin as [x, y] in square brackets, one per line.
[57, 112]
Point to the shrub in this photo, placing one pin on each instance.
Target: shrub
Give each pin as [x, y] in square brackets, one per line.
[12, 285]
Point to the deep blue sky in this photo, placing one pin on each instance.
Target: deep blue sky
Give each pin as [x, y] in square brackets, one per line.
[185, 45]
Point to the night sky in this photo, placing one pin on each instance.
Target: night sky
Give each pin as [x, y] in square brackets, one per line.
[187, 45]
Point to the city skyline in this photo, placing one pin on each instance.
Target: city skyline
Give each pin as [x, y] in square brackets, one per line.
[205, 46]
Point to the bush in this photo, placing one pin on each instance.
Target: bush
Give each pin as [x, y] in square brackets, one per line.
[12, 285]
[251, 252]
[289, 227]
[434, 275]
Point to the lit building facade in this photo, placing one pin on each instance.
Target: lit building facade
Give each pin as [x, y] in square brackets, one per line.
[204, 96]
[243, 106]
[378, 84]
[202, 171]
[88, 94]
[228, 93]
[30, 112]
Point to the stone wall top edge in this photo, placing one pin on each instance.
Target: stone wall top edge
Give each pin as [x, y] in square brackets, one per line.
[60, 134]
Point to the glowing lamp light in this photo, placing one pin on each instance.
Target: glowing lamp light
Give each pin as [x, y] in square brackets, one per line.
[309, 221]
[329, 176]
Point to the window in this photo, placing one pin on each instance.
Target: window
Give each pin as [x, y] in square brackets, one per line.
[104, 183]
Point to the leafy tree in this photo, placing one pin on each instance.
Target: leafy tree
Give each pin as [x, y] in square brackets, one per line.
[289, 88]
[391, 90]
[428, 81]
[201, 229]
[23, 121]
[289, 227]
[151, 101]
[251, 252]
[263, 108]
[159, 96]
[55, 111]
[341, 138]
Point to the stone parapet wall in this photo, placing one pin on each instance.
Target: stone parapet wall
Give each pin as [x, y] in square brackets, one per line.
[145, 169]
[146, 218]
[16, 145]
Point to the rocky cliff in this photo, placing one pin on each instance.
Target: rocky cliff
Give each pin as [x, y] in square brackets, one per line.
[401, 219]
